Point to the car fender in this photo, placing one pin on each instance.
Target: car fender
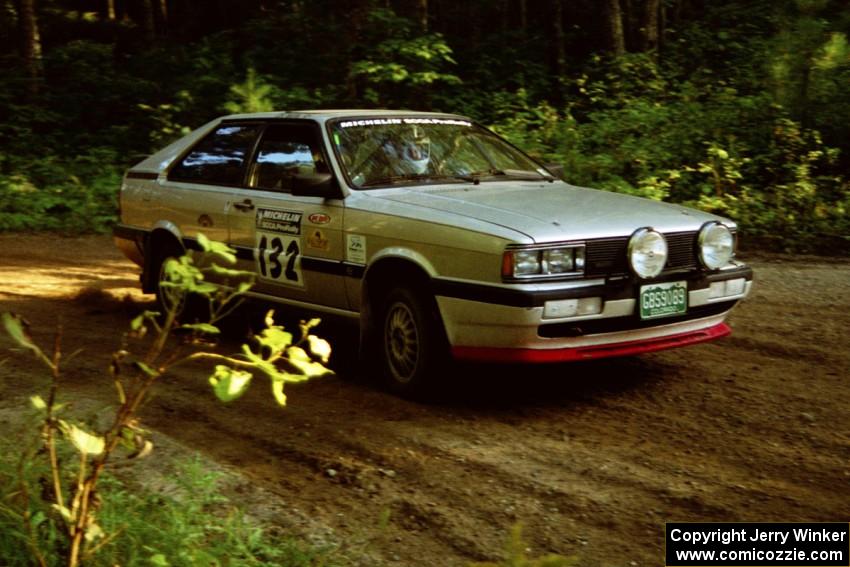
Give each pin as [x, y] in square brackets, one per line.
[163, 227]
[402, 253]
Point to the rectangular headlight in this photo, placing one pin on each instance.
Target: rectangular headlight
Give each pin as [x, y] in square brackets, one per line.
[558, 260]
[543, 262]
[526, 262]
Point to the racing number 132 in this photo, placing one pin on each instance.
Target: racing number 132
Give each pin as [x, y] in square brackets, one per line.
[270, 249]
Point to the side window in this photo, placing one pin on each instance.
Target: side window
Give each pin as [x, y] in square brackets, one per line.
[219, 158]
[286, 150]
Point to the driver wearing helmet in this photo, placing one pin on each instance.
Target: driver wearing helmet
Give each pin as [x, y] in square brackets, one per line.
[410, 152]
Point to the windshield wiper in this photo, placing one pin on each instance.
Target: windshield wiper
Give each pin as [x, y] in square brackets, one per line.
[527, 174]
[391, 179]
[476, 176]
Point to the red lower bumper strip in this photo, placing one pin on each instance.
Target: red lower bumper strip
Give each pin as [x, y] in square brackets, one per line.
[493, 354]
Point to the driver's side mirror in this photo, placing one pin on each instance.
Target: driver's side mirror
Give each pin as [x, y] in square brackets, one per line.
[315, 185]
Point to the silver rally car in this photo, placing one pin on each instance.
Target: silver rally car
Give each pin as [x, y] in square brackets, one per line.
[439, 236]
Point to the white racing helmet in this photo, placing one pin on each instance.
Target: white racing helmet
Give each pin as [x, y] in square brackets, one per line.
[412, 150]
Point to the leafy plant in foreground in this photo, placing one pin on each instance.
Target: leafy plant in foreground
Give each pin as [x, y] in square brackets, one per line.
[61, 518]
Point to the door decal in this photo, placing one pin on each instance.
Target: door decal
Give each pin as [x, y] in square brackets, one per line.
[278, 246]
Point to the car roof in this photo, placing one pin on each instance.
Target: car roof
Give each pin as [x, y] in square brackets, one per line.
[323, 115]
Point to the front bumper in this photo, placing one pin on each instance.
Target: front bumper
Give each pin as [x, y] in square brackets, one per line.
[512, 327]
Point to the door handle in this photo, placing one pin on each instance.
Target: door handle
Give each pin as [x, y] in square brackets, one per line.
[245, 205]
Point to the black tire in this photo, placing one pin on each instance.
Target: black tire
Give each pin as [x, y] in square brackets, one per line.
[188, 308]
[412, 345]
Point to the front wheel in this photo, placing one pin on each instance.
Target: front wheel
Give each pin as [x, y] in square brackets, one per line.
[413, 343]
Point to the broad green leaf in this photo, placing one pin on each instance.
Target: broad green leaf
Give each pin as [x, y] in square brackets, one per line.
[137, 322]
[159, 560]
[219, 250]
[17, 328]
[275, 338]
[320, 348]
[38, 403]
[301, 360]
[244, 286]
[229, 272]
[203, 288]
[201, 328]
[277, 391]
[228, 383]
[204, 242]
[84, 441]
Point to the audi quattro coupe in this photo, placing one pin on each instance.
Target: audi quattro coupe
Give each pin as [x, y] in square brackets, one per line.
[440, 237]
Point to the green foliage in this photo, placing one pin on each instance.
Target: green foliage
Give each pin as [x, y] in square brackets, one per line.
[399, 65]
[71, 506]
[633, 129]
[254, 95]
[190, 523]
[728, 75]
[77, 195]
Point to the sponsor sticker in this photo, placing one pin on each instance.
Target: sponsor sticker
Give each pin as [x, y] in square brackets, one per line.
[279, 221]
[278, 258]
[318, 241]
[393, 121]
[355, 251]
[319, 218]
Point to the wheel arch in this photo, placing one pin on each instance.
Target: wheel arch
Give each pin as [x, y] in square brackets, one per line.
[389, 271]
[164, 234]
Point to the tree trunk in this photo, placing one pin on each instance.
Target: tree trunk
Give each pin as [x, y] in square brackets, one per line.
[422, 15]
[649, 25]
[30, 42]
[560, 47]
[146, 20]
[614, 27]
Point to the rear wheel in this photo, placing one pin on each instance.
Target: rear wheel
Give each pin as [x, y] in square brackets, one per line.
[187, 307]
[413, 344]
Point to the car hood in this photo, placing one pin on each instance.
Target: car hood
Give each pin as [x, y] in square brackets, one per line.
[551, 212]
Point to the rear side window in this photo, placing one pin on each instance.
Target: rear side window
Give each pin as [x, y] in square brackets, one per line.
[219, 158]
[286, 150]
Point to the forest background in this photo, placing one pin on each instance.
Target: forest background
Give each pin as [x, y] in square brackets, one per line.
[736, 107]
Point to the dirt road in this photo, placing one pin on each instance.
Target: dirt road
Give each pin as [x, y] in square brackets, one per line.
[591, 458]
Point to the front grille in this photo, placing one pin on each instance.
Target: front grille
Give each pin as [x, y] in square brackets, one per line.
[607, 256]
[681, 250]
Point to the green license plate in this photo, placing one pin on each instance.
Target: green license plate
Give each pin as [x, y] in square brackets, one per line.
[663, 299]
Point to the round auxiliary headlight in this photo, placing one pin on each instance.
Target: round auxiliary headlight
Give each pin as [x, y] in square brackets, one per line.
[716, 245]
[647, 253]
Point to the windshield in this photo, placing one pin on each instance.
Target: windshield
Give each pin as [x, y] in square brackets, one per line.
[393, 151]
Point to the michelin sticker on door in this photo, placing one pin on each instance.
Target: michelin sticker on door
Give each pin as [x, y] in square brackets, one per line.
[277, 248]
[356, 250]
